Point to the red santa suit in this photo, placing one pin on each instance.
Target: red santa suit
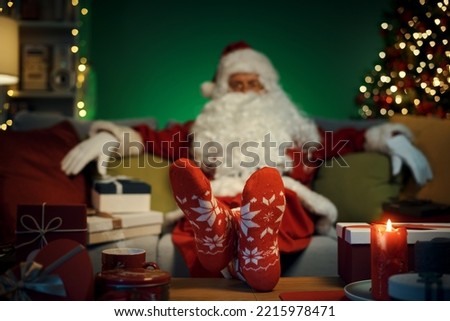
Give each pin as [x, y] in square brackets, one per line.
[298, 162]
[235, 136]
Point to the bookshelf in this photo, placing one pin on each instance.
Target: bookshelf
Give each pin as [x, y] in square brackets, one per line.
[48, 39]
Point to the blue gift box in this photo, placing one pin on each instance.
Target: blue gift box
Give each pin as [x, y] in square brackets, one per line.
[119, 194]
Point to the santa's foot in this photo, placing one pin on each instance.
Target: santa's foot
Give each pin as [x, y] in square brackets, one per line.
[263, 204]
[210, 219]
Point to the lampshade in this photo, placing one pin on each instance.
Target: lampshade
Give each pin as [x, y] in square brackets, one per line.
[9, 51]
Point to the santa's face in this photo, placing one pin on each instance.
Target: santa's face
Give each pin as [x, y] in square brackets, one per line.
[245, 82]
[240, 132]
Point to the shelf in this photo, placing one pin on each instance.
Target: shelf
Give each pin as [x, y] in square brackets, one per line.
[40, 24]
[42, 94]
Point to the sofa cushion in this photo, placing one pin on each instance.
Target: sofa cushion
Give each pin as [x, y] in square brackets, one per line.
[151, 169]
[432, 137]
[358, 190]
[30, 172]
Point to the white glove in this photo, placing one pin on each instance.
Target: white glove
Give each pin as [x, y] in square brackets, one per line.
[99, 147]
[401, 150]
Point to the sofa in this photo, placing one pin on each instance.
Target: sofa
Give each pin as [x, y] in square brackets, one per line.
[358, 190]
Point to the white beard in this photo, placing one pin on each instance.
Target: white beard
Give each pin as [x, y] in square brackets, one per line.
[244, 122]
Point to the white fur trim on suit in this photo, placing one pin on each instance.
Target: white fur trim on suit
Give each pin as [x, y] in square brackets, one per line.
[129, 139]
[377, 136]
[313, 201]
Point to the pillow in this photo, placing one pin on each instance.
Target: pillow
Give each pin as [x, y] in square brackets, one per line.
[432, 137]
[30, 172]
[358, 190]
[153, 170]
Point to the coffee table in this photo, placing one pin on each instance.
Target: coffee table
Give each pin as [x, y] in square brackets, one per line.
[216, 289]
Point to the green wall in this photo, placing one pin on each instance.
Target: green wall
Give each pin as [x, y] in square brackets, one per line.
[150, 57]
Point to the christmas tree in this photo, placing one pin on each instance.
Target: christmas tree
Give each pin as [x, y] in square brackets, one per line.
[412, 75]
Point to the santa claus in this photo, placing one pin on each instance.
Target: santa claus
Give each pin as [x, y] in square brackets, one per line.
[240, 172]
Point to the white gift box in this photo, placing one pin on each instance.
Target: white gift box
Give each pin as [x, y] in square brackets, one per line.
[117, 195]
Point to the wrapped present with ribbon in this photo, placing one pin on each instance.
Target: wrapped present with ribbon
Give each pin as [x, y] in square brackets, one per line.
[37, 225]
[62, 270]
[117, 194]
[354, 246]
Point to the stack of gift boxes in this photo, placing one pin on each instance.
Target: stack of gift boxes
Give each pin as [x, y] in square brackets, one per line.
[51, 239]
[122, 210]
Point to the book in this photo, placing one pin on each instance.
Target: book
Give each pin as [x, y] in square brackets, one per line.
[98, 224]
[104, 221]
[139, 218]
[416, 207]
[123, 233]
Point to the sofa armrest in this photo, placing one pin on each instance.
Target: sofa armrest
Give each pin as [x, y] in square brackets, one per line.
[358, 189]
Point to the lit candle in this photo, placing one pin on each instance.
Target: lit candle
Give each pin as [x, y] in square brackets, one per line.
[389, 256]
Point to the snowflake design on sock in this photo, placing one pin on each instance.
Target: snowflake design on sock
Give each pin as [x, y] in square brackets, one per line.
[215, 241]
[268, 201]
[246, 218]
[268, 217]
[273, 250]
[266, 231]
[252, 256]
[208, 211]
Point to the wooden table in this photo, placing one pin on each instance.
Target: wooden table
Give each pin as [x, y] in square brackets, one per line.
[210, 289]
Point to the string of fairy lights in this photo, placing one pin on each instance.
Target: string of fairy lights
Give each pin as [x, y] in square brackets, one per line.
[413, 74]
[82, 66]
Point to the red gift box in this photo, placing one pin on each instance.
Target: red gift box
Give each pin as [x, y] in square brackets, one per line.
[37, 225]
[62, 270]
[354, 246]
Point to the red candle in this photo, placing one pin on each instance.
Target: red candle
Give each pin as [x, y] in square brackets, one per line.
[389, 256]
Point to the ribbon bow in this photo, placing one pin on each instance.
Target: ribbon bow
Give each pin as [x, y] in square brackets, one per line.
[32, 277]
[36, 278]
[42, 229]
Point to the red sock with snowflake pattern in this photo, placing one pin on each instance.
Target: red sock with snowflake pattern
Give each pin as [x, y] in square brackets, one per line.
[210, 219]
[263, 205]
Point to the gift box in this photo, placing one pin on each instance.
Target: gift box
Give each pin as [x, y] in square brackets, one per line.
[37, 225]
[61, 270]
[354, 246]
[117, 194]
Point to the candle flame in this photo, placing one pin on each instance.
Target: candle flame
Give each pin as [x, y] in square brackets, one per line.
[389, 225]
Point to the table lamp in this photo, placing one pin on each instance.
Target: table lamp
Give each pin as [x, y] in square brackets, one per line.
[9, 51]
[9, 58]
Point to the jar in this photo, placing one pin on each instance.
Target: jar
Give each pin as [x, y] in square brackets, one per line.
[133, 284]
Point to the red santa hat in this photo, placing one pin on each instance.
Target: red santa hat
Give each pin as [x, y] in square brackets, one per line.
[239, 57]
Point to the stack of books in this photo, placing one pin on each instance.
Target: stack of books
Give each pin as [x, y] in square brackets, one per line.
[108, 227]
